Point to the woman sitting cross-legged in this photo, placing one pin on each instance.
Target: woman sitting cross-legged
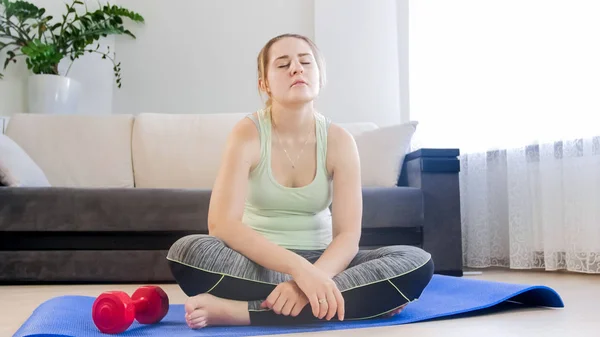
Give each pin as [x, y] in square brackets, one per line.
[275, 252]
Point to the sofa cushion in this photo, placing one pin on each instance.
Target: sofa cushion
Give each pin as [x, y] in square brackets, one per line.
[179, 150]
[77, 150]
[17, 169]
[381, 150]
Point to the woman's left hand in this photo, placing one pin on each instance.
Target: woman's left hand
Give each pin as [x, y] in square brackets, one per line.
[287, 299]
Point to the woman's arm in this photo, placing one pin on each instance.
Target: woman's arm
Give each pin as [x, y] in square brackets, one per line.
[347, 202]
[227, 204]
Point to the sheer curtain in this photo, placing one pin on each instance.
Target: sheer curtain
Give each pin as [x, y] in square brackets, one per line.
[515, 84]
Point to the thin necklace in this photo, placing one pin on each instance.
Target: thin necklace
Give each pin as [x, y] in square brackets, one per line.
[293, 162]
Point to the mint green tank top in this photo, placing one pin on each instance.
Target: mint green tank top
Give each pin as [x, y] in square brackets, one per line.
[292, 217]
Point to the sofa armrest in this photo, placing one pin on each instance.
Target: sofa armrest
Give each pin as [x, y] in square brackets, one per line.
[436, 173]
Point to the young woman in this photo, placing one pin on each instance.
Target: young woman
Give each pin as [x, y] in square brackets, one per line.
[275, 252]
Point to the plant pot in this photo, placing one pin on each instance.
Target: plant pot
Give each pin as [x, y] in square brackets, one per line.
[53, 94]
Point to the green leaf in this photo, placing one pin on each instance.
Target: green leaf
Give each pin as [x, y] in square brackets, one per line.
[22, 10]
[129, 33]
[45, 42]
[42, 58]
[6, 62]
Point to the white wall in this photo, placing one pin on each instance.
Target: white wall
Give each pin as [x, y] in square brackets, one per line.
[359, 41]
[94, 73]
[199, 56]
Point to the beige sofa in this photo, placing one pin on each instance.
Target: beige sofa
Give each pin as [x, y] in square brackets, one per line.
[101, 198]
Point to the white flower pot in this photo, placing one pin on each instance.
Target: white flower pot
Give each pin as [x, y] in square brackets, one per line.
[53, 94]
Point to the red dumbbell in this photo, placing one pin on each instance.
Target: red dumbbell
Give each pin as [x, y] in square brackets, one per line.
[114, 311]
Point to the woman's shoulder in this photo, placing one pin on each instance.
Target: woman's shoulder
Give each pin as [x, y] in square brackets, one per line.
[338, 135]
[245, 131]
[341, 148]
[243, 143]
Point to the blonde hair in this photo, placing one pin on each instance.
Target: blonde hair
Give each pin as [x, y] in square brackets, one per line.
[263, 61]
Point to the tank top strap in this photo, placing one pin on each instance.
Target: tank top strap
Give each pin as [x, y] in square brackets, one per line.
[255, 120]
[262, 125]
[322, 129]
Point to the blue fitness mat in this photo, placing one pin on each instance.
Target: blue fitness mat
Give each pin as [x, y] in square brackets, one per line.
[444, 297]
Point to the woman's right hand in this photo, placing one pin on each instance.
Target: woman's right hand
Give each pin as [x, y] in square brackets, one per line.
[325, 298]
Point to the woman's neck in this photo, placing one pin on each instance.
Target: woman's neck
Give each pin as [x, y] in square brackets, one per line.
[292, 121]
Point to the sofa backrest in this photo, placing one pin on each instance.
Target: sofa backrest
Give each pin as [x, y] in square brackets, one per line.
[357, 128]
[77, 150]
[179, 150]
[162, 150]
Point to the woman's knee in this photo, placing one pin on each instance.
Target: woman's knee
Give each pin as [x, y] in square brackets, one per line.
[190, 248]
[412, 255]
[190, 259]
[411, 263]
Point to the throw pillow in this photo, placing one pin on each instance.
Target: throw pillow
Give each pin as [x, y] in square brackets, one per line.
[382, 153]
[17, 169]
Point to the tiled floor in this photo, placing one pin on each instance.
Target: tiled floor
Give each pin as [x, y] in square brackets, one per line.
[581, 294]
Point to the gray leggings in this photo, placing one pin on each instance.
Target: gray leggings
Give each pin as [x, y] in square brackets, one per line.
[376, 281]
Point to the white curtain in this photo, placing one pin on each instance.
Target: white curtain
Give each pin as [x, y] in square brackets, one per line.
[515, 84]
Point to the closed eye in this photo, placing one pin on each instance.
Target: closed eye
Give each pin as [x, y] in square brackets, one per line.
[287, 65]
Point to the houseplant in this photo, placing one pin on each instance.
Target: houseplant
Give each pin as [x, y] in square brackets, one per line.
[26, 31]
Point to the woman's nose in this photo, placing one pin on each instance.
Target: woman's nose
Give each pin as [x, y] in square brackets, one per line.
[297, 68]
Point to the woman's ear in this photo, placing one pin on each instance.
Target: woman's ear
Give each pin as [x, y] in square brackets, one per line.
[263, 86]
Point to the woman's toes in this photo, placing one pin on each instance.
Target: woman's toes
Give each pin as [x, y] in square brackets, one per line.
[198, 313]
[196, 319]
[197, 323]
[396, 311]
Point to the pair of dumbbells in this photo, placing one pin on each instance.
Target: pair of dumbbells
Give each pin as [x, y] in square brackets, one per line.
[114, 311]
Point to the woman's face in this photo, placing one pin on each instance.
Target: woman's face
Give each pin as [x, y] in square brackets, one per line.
[293, 74]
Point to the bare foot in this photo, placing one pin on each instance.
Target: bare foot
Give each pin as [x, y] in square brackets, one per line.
[396, 311]
[205, 309]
